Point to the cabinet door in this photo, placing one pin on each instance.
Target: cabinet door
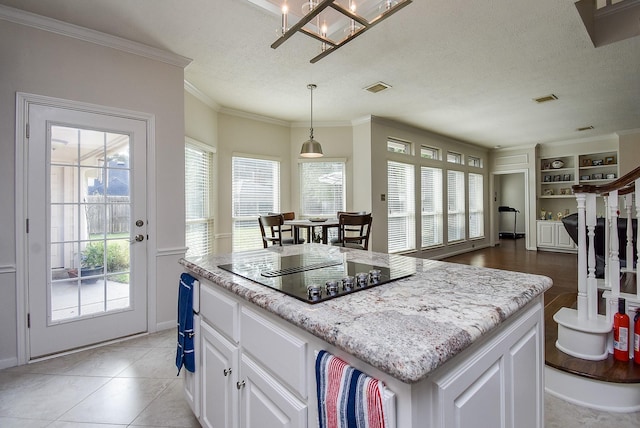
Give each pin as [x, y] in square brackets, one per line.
[219, 376]
[563, 238]
[546, 234]
[265, 403]
[192, 380]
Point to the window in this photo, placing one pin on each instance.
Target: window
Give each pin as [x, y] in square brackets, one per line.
[454, 157]
[396, 146]
[455, 212]
[476, 206]
[198, 163]
[431, 179]
[429, 153]
[255, 191]
[322, 188]
[401, 204]
[474, 161]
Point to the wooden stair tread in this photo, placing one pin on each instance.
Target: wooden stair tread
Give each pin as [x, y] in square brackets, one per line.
[608, 370]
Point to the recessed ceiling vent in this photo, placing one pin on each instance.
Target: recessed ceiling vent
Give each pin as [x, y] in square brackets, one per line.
[585, 128]
[550, 97]
[377, 87]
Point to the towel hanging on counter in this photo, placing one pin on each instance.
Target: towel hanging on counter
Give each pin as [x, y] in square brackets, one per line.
[347, 398]
[185, 353]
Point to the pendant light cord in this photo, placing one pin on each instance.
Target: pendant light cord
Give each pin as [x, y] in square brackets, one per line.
[311, 87]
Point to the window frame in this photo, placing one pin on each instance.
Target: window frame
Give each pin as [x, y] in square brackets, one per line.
[251, 237]
[302, 163]
[208, 219]
[405, 145]
[432, 149]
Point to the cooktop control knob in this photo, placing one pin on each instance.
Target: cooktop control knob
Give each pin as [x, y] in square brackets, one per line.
[374, 275]
[347, 283]
[314, 292]
[362, 279]
[331, 287]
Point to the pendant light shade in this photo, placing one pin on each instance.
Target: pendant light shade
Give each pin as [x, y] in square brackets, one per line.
[311, 148]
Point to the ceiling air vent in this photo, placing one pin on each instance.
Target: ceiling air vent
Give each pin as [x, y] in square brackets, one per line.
[377, 87]
[585, 128]
[550, 97]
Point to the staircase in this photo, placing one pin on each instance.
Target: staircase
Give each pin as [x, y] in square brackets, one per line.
[582, 331]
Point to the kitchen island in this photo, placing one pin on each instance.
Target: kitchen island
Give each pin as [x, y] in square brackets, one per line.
[454, 344]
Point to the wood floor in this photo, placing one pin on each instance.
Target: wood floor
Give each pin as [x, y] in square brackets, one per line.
[562, 269]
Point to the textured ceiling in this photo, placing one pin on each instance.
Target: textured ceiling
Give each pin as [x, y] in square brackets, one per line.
[465, 69]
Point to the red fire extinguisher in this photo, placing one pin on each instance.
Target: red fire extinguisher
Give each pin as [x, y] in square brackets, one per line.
[636, 337]
[621, 333]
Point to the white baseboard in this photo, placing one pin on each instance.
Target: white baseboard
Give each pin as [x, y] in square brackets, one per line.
[166, 325]
[8, 362]
[604, 396]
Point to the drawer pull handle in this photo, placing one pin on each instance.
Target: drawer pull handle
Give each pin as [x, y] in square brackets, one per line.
[240, 385]
[226, 372]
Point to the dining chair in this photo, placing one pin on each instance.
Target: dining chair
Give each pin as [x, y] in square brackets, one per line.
[271, 230]
[288, 229]
[348, 224]
[357, 230]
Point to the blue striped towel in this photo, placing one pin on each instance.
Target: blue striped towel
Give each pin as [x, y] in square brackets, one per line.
[347, 398]
[185, 354]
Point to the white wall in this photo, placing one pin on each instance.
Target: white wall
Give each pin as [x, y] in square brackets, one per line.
[44, 63]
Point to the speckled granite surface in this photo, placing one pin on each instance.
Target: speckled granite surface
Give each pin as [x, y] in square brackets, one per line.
[406, 328]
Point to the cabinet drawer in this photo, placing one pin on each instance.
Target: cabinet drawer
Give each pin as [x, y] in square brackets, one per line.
[219, 310]
[277, 350]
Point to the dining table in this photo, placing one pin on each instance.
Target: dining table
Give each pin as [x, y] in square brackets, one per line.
[309, 225]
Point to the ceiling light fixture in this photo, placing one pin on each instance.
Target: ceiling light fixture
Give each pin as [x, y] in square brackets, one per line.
[311, 148]
[585, 128]
[356, 24]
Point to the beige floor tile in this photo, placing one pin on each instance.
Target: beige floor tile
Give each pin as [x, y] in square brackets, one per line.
[169, 410]
[107, 361]
[22, 423]
[65, 424]
[119, 401]
[158, 363]
[47, 396]
[562, 414]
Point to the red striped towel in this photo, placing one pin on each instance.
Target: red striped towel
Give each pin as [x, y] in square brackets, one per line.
[347, 398]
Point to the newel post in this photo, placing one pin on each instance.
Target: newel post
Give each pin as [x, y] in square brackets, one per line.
[582, 303]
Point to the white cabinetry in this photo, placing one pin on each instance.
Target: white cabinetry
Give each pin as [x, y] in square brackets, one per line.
[553, 236]
[501, 386]
[253, 374]
[257, 371]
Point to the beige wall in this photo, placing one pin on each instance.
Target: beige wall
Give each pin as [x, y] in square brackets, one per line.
[44, 63]
[381, 131]
[629, 152]
[246, 136]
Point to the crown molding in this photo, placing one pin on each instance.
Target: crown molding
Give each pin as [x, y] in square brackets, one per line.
[629, 132]
[361, 120]
[206, 99]
[597, 138]
[254, 116]
[92, 36]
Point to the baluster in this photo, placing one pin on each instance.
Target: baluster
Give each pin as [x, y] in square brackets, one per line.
[637, 237]
[592, 282]
[582, 257]
[605, 257]
[628, 201]
[614, 254]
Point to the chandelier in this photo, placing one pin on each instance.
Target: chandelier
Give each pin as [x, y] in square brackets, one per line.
[334, 23]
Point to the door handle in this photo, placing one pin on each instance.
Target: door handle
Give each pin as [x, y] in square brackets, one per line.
[138, 238]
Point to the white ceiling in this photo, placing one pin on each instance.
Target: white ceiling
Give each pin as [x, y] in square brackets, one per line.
[465, 69]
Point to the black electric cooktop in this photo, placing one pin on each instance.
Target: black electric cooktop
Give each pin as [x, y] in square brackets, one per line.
[317, 277]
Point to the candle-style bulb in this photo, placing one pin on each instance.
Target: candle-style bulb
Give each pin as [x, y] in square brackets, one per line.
[285, 10]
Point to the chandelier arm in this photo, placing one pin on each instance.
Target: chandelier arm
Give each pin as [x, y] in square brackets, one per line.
[319, 37]
[359, 19]
[304, 21]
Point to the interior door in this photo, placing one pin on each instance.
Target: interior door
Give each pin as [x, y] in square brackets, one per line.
[86, 233]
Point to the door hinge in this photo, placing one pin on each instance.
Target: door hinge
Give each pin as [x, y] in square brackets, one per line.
[27, 225]
[27, 130]
[28, 320]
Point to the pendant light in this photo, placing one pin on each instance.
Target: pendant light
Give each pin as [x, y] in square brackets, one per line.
[311, 148]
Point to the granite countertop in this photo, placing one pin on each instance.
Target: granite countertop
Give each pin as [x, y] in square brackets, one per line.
[406, 328]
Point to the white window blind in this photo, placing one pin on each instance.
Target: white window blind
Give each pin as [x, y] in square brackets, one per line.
[456, 211]
[255, 191]
[198, 164]
[476, 206]
[322, 187]
[401, 204]
[431, 179]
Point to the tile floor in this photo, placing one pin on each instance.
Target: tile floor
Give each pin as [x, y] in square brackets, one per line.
[134, 384]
